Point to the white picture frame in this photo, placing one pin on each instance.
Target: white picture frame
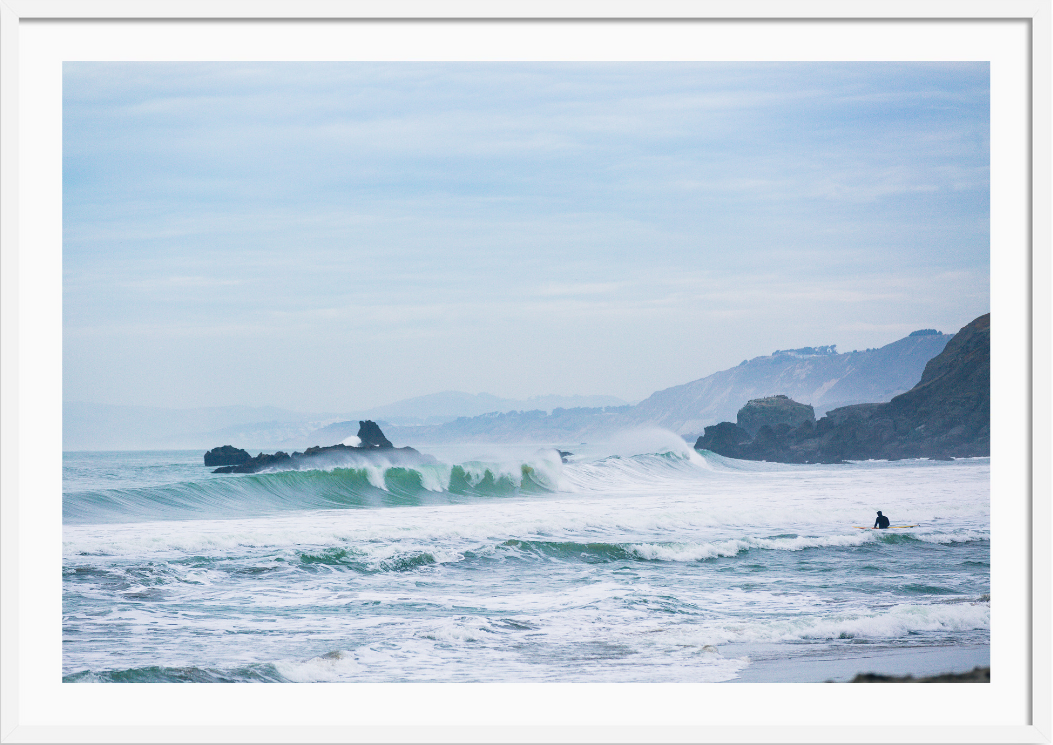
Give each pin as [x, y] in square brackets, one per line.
[36, 706]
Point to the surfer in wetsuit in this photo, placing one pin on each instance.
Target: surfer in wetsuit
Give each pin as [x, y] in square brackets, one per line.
[882, 521]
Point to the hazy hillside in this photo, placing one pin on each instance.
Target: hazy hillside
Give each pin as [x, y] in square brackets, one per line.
[436, 408]
[561, 426]
[814, 375]
[87, 426]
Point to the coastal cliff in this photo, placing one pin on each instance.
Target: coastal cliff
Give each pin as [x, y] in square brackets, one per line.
[946, 415]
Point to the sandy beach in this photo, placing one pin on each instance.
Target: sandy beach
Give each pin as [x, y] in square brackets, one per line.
[824, 667]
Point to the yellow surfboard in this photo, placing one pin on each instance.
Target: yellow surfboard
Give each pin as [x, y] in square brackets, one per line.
[890, 527]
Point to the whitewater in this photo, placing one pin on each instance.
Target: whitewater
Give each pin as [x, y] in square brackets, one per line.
[637, 560]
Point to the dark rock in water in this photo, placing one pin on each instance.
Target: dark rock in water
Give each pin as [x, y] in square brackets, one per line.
[228, 455]
[373, 443]
[772, 411]
[946, 415]
[782, 442]
[370, 436]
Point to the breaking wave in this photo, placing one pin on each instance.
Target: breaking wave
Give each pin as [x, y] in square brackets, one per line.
[377, 484]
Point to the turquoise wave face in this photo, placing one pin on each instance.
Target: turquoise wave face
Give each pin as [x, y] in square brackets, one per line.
[361, 562]
[258, 494]
[589, 553]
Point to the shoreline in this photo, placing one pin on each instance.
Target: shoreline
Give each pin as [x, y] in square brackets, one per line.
[830, 666]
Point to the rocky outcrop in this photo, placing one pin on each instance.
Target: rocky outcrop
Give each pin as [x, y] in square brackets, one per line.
[773, 411]
[227, 455]
[781, 443]
[819, 376]
[946, 415]
[370, 436]
[723, 438]
[373, 442]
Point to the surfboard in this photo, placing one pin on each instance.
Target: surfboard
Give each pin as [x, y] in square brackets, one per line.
[890, 527]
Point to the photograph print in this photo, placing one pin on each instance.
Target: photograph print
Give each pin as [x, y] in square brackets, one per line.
[488, 372]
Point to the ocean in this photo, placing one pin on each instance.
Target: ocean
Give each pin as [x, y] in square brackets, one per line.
[637, 560]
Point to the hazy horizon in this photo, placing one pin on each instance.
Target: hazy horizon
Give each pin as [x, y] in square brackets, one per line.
[480, 394]
[344, 236]
[435, 394]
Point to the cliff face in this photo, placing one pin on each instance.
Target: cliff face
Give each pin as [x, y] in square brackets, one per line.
[953, 398]
[946, 415]
[814, 375]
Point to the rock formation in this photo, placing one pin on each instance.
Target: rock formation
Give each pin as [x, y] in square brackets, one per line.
[373, 442]
[773, 411]
[816, 375]
[370, 436]
[228, 455]
[946, 415]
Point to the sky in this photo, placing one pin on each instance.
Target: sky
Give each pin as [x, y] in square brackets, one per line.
[337, 236]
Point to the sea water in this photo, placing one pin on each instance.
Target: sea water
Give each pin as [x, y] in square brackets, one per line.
[645, 563]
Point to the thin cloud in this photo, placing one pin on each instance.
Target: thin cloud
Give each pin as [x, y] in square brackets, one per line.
[600, 207]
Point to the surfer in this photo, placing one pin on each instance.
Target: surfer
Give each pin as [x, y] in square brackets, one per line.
[882, 521]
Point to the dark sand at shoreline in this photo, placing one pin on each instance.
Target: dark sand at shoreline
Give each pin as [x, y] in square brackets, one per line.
[822, 668]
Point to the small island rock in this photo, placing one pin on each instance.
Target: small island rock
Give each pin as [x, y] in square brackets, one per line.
[227, 455]
[369, 434]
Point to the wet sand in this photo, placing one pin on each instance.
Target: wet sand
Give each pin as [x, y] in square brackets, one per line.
[805, 668]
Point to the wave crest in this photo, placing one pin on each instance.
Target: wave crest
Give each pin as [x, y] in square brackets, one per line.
[377, 484]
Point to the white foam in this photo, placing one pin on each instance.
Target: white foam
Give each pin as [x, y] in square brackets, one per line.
[896, 622]
[435, 478]
[658, 552]
[375, 475]
[958, 536]
[458, 630]
[698, 552]
[328, 668]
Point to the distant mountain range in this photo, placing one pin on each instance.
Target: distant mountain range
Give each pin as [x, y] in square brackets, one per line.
[819, 376]
[88, 426]
[437, 408]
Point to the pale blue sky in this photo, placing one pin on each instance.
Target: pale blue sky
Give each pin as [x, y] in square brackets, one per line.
[336, 236]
